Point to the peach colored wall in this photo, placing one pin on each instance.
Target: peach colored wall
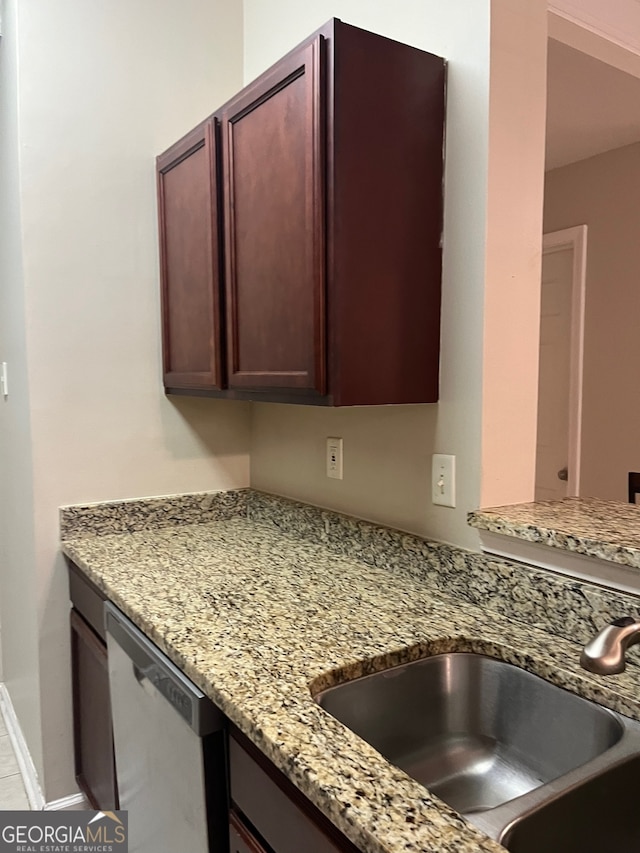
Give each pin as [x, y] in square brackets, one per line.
[602, 192]
[512, 273]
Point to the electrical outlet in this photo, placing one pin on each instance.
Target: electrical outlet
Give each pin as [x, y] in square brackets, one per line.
[4, 380]
[334, 458]
[443, 479]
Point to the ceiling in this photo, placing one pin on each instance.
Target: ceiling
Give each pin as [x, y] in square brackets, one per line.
[591, 107]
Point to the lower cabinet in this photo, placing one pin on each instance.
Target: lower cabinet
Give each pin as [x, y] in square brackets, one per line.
[93, 738]
[268, 813]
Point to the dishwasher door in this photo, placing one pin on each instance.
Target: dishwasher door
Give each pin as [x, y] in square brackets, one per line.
[169, 746]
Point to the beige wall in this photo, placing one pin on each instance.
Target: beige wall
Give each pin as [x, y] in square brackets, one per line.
[388, 451]
[603, 193]
[594, 42]
[103, 88]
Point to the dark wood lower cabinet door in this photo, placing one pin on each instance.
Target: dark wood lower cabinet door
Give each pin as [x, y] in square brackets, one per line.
[93, 738]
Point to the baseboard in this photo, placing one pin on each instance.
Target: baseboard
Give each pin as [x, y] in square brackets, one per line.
[27, 767]
[72, 802]
[23, 756]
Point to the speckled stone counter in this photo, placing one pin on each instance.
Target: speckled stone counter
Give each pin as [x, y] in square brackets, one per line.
[263, 601]
[608, 530]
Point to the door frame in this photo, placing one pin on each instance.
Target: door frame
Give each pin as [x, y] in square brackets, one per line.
[556, 241]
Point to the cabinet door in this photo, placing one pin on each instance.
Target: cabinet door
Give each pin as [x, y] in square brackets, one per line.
[93, 738]
[190, 261]
[272, 136]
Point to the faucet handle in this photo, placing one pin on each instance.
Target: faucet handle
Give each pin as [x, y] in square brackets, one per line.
[605, 654]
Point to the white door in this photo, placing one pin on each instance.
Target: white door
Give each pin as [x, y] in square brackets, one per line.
[560, 371]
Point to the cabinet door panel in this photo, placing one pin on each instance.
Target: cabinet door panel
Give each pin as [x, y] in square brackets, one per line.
[190, 261]
[95, 769]
[274, 228]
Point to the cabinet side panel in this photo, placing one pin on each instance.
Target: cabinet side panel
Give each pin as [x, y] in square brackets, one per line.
[386, 224]
[189, 262]
[275, 229]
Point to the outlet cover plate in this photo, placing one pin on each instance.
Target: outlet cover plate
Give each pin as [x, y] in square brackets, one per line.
[334, 458]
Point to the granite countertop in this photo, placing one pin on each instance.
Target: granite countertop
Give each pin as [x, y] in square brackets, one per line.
[608, 530]
[259, 617]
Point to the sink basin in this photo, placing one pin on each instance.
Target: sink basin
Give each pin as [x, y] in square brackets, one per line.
[476, 731]
[599, 816]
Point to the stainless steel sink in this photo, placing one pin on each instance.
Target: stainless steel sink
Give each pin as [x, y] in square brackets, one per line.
[490, 739]
[599, 816]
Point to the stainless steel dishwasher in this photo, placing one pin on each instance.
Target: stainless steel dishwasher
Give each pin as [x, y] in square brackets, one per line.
[169, 745]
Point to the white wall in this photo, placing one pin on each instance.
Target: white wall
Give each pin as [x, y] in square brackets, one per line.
[103, 88]
[602, 192]
[387, 451]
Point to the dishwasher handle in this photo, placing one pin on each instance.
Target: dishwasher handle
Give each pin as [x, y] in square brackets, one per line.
[149, 663]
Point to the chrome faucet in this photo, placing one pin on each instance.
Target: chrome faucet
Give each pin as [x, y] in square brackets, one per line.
[605, 654]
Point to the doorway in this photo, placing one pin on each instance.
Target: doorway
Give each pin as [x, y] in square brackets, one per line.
[561, 364]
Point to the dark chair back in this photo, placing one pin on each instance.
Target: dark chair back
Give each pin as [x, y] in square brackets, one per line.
[634, 486]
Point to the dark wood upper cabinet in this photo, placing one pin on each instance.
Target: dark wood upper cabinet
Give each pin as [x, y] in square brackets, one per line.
[330, 202]
[274, 228]
[190, 261]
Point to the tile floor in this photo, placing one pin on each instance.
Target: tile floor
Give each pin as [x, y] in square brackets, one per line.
[12, 792]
